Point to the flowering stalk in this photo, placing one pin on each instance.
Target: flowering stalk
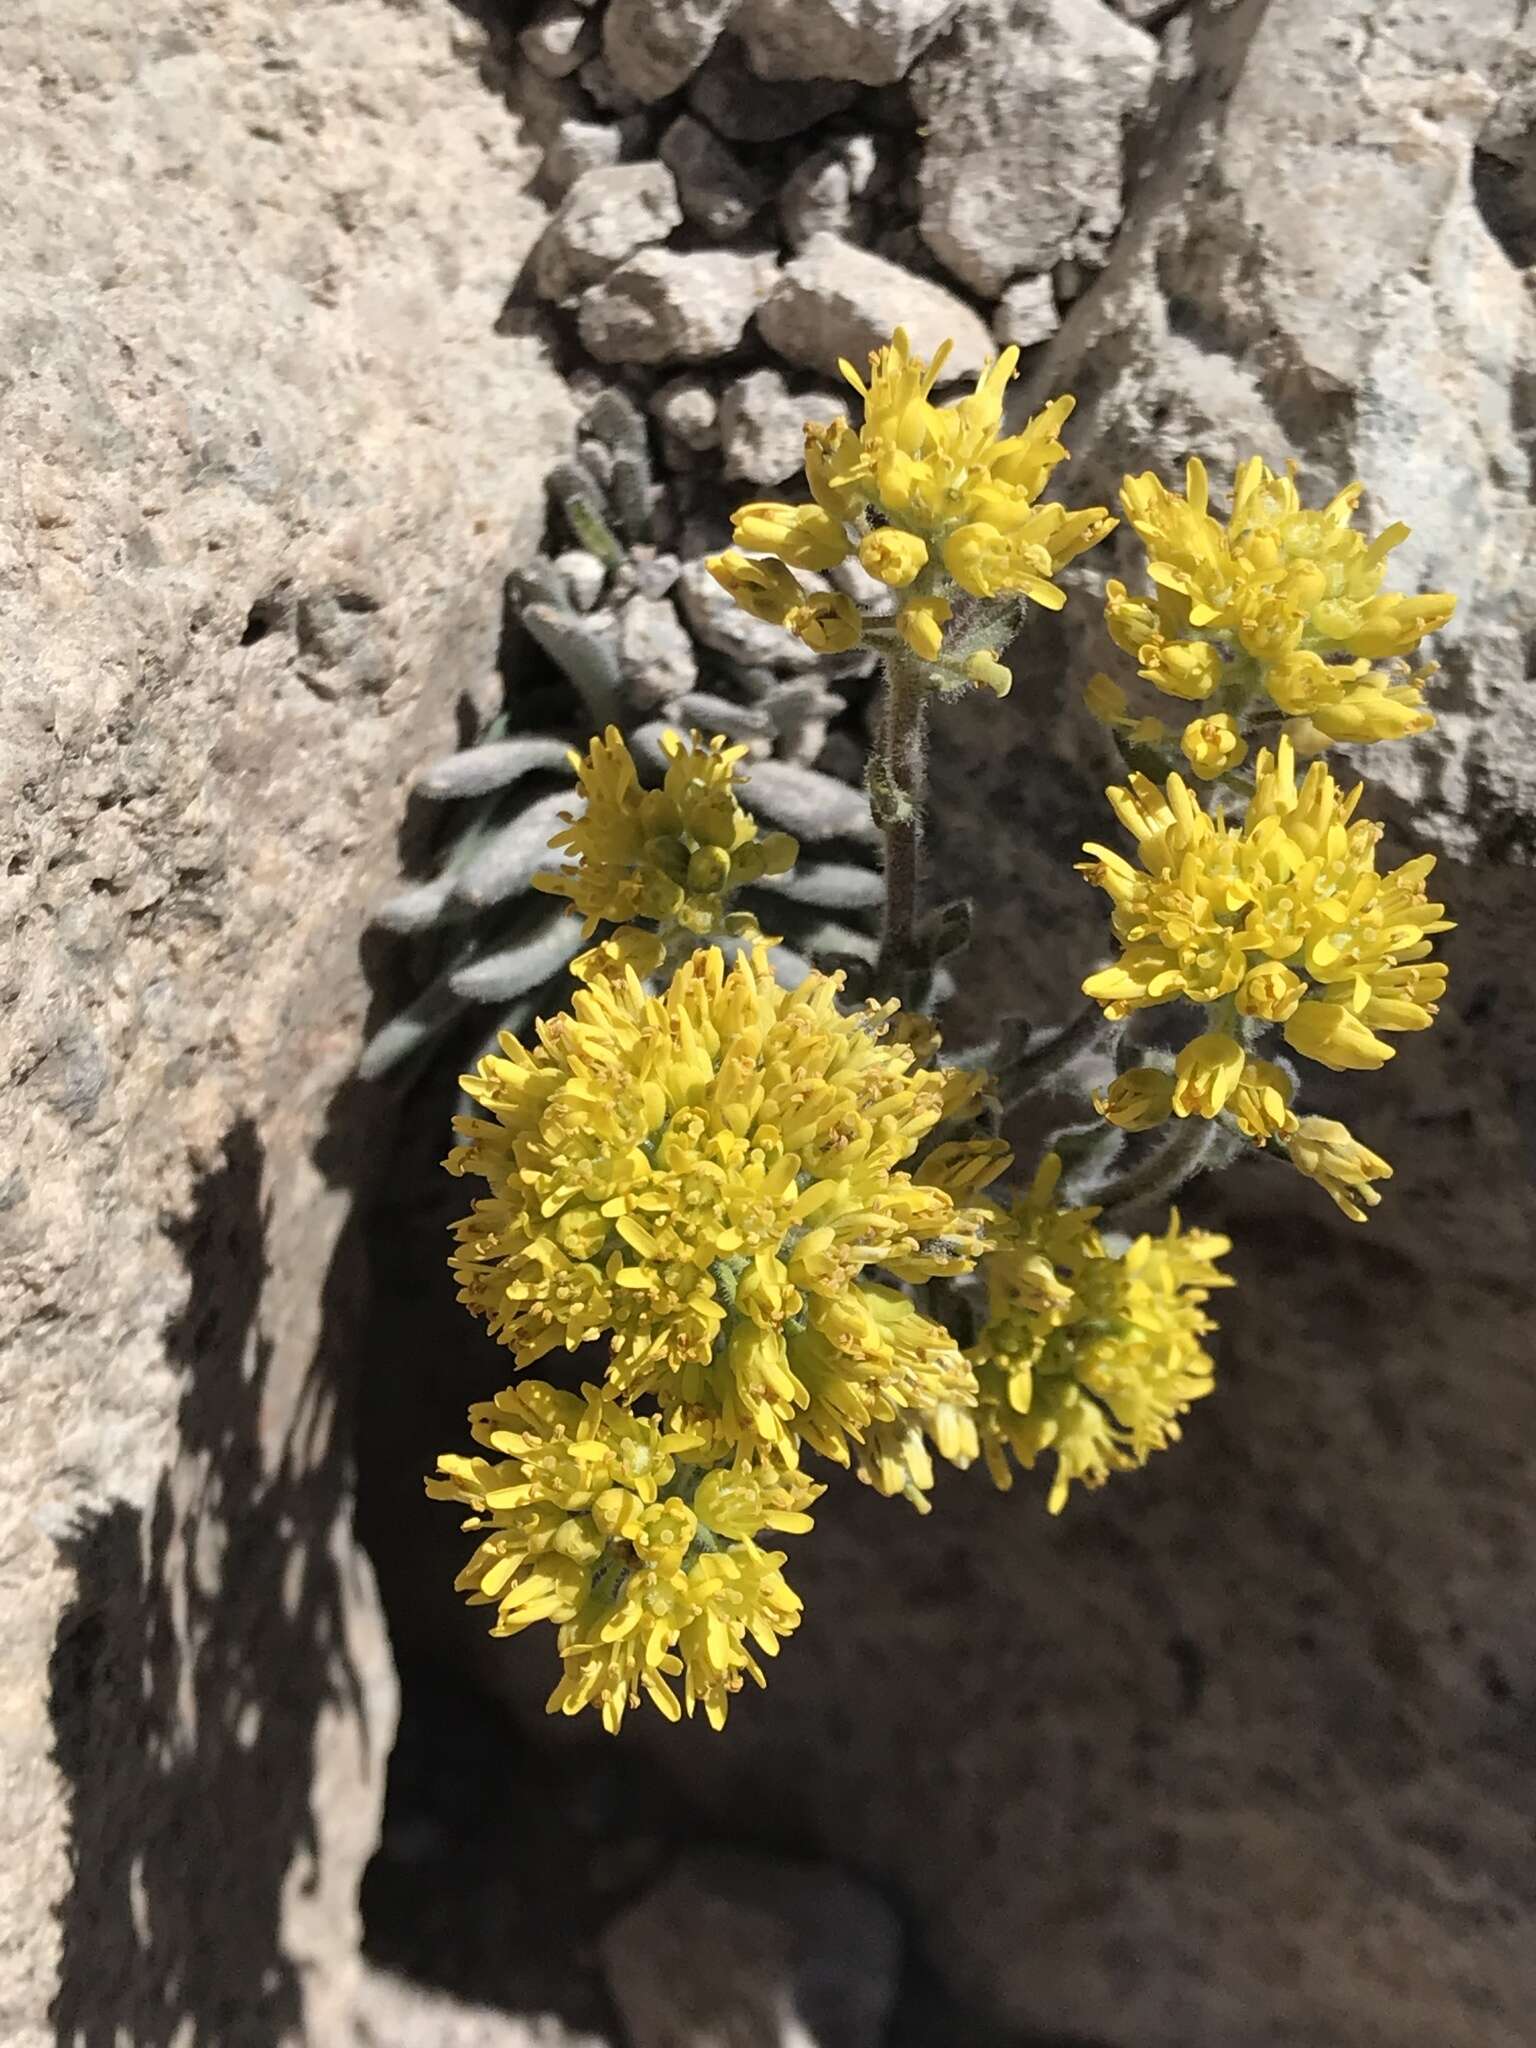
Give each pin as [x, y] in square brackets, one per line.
[898, 792]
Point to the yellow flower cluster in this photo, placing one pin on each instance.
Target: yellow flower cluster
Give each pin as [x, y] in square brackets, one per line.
[634, 1540]
[1279, 606]
[1281, 919]
[1089, 1354]
[933, 499]
[704, 1177]
[672, 855]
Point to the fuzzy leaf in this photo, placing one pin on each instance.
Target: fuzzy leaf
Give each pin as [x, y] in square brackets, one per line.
[415, 910]
[515, 969]
[478, 770]
[826, 885]
[587, 650]
[507, 863]
[809, 804]
[416, 1026]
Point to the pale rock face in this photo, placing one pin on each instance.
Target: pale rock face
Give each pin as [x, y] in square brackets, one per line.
[265, 460]
[762, 426]
[673, 306]
[834, 300]
[873, 41]
[1024, 104]
[606, 215]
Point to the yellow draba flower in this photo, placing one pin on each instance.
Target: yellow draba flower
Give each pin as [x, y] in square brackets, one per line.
[804, 536]
[704, 1177]
[1213, 745]
[1138, 1100]
[984, 668]
[767, 590]
[1108, 703]
[892, 556]
[921, 622]
[671, 854]
[1261, 1101]
[1282, 598]
[1344, 1168]
[1214, 904]
[1096, 1366]
[1205, 1074]
[633, 1540]
[827, 621]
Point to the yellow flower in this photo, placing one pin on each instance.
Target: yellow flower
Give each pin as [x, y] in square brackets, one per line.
[1344, 1168]
[1137, 1100]
[921, 621]
[704, 1177]
[1213, 745]
[1261, 1102]
[1283, 598]
[670, 854]
[827, 621]
[1085, 1354]
[767, 590]
[892, 556]
[633, 1540]
[1215, 905]
[1205, 1074]
[934, 470]
[1270, 991]
[984, 667]
[804, 536]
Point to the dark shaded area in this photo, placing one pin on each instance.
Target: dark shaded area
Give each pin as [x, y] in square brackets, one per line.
[204, 1640]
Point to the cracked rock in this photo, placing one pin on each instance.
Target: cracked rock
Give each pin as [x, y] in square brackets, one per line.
[835, 300]
[654, 46]
[717, 191]
[606, 216]
[762, 426]
[1024, 105]
[871, 41]
[743, 107]
[666, 306]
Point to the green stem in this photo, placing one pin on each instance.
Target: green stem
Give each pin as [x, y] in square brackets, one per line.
[897, 787]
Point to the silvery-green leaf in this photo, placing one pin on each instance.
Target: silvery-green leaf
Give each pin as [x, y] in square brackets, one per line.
[515, 969]
[416, 1026]
[827, 884]
[415, 910]
[586, 648]
[808, 803]
[478, 770]
[507, 863]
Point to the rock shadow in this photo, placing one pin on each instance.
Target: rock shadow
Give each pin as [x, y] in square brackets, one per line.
[205, 1639]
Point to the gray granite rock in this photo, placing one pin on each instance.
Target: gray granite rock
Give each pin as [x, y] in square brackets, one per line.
[719, 193]
[689, 409]
[577, 146]
[835, 300]
[655, 652]
[743, 107]
[606, 216]
[1023, 109]
[716, 621]
[873, 41]
[654, 46]
[668, 306]
[822, 194]
[559, 38]
[762, 426]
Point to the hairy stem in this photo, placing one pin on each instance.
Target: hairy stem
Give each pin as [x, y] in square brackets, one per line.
[897, 787]
[1162, 1169]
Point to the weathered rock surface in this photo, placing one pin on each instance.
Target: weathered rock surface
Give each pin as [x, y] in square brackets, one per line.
[834, 300]
[1023, 103]
[762, 426]
[673, 306]
[606, 216]
[873, 41]
[754, 1952]
[655, 46]
[743, 107]
[719, 193]
[265, 459]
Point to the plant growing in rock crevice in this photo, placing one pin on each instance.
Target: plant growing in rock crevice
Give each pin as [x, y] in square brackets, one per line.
[784, 1211]
[595, 639]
